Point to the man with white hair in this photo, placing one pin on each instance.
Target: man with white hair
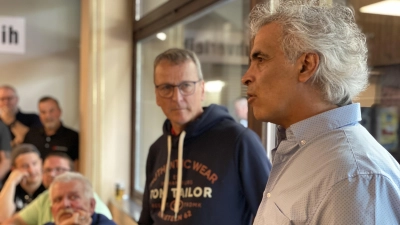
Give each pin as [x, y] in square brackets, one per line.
[307, 63]
[72, 201]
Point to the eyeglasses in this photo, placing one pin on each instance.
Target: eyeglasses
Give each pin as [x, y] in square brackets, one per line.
[57, 169]
[185, 88]
[7, 98]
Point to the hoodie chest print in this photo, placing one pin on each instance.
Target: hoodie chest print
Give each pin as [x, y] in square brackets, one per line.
[188, 194]
[189, 165]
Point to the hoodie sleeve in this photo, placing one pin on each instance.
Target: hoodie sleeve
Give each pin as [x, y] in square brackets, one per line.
[254, 168]
[145, 216]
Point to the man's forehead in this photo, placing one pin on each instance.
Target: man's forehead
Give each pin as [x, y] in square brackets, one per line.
[169, 71]
[7, 91]
[59, 190]
[54, 161]
[26, 158]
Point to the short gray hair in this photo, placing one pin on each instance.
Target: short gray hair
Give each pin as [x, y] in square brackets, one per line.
[329, 31]
[178, 56]
[6, 86]
[73, 176]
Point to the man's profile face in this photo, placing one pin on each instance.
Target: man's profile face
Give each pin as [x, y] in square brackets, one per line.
[68, 198]
[179, 109]
[272, 79]
[52, 167]
[32, 164]
[8, 99]
[49, 114]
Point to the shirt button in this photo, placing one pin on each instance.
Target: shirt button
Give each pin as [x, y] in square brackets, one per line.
[268, 195]
[303, 142]
[46, 145]
[48, 139]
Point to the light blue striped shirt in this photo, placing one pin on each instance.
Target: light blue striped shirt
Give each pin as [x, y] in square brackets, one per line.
[330, 170]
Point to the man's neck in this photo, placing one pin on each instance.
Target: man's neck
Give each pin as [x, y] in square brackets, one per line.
[51, 131]
[30, 188]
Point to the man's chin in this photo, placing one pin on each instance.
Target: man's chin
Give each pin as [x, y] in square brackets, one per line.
[33, 180]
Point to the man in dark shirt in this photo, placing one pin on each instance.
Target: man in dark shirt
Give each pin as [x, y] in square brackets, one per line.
[53, 136]
[25, 181]
[5, 149]
[18, 123]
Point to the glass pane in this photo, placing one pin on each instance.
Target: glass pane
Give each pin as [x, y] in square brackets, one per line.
[145, 6]
[381, 101]
[218, 37]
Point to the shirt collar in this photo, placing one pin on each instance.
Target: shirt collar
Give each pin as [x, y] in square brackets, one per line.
[302, 132]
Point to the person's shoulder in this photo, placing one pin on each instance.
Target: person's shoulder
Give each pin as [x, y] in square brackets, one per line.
[100, 219]
[159, 142]
[67, 132]
[27, 115]
[29, 119]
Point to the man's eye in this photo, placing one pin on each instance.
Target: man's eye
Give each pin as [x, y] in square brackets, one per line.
[259, 59]
[166, 87]
[73, 197]
[185, 85]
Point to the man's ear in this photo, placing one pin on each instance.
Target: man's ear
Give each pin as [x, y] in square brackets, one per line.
[202, 86]
[308, 64]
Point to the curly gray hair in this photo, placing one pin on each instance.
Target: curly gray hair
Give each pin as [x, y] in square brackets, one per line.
[329, 31]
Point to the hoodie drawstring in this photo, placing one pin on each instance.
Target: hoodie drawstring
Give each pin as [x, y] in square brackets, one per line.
[179, 183]
[179, 178]
[166, 178]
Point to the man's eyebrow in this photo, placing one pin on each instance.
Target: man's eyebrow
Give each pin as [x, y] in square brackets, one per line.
[256, 54]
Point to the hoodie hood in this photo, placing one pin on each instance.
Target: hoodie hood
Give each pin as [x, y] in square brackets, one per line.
[204, 122]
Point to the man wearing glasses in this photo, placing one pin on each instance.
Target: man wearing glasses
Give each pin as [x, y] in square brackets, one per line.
[18, 123]
[38, 212]
[205, 168]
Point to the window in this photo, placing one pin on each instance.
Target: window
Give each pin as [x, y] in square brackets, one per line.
[381, 101]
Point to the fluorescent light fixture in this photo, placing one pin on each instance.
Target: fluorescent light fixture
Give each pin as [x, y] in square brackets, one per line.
[387, 7]
[162, 36]
[214, 86]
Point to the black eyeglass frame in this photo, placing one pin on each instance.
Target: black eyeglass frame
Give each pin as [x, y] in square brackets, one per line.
[177, 86]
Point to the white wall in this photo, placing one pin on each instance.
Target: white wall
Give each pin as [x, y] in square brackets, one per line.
[50, 65]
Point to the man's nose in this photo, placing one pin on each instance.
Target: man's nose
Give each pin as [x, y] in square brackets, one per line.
[246, 79]
[53, 173]
[176, 94]
[66, 202]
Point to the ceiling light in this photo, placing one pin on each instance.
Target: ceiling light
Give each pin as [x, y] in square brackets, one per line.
[161, 36]
[387, 7]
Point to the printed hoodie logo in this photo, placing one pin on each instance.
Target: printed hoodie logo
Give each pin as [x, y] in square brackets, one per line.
[187, 194]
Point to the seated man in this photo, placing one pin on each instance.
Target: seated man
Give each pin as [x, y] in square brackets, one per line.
[53, 136]
[5, 149]
[72, 201]
[38, 212]
[24, 183]
[18, 123]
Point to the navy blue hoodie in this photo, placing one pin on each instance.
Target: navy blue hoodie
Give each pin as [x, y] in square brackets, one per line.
[224, 173]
